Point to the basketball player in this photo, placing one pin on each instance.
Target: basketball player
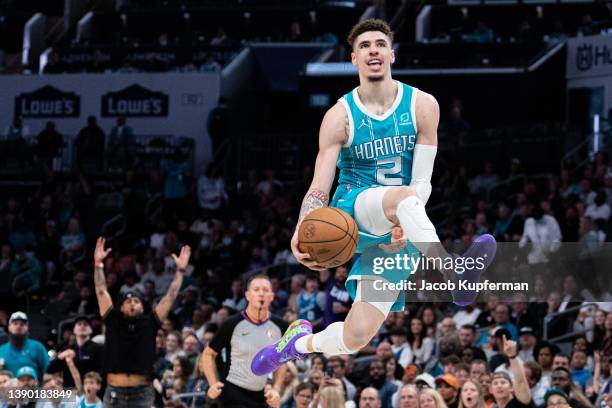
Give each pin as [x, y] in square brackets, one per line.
[383, 137]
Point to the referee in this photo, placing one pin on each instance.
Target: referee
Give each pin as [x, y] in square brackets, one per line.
[129, 349]
[242, 336]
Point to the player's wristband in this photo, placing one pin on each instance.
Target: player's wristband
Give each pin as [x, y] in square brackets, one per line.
[99, 265]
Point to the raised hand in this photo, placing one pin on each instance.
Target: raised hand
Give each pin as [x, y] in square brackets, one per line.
[100, 253]
[510, 349]
[182, 260]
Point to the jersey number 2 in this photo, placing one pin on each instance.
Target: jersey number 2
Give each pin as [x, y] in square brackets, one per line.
[382, 173]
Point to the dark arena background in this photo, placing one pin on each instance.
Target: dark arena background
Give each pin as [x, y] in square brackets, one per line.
[163, 123]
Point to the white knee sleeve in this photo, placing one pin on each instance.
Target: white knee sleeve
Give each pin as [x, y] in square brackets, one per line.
[417, 227]
[369, 211]
[330, 340]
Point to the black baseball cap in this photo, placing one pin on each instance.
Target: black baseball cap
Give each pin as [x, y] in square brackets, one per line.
[131, 294]
[82, 318]
[527, 330]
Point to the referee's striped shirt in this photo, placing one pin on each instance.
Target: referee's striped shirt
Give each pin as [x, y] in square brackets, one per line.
[237, 341]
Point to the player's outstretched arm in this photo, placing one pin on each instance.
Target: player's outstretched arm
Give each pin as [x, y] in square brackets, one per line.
[332, 136]
[165, 304]
[105, 302]
[427, 118]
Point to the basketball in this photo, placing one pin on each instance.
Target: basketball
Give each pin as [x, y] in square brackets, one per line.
[329, 235]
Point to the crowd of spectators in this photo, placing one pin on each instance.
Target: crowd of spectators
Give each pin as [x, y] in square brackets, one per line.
[430, 355]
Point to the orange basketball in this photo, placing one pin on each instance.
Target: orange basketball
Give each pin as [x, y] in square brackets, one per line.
[329, 235]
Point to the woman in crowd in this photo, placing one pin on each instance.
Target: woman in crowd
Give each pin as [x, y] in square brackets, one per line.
[422, 346]
[471, 395]
[429, 398]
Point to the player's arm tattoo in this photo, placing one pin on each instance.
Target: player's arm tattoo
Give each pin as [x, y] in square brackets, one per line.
[314, 199]
[99, 279]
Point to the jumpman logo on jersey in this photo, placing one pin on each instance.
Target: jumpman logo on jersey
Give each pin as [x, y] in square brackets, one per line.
[364, 123]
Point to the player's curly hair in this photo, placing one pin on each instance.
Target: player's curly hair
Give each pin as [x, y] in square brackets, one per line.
[371, 24]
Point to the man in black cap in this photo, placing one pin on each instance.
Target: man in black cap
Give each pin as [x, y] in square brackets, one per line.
[527, 340]
[130, 335]
[86, 354]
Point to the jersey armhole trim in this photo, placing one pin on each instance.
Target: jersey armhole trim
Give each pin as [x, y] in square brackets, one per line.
[351, 132]
[413, 109]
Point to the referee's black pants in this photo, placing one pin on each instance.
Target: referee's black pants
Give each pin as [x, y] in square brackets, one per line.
[234, 396]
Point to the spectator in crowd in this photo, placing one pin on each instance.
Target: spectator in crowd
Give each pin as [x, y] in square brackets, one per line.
[211, 190]
[92, 384]
[430, 398]
[537, 383]
[402, 351]
[17, 131]
[121, 145]
[478, 368]
[337, 299]
[422, 346]
[302, 396]
[543, 353]
[130, 334]
[385, 388]
[467, 335]
[485, 181]
[408, 397]
[50, 143]
[471, 395]
[337, 366]
[544, 234]
[580, 374]
[562, 379]
[448, 387]
[86, 355]
[507, 391]
[90, 145]
[311, 302]
[527, 341]
[21, 351]
[369, 398]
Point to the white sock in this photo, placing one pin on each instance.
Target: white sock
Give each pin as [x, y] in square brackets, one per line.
[417, 227]
[328, 341]
[300, 344]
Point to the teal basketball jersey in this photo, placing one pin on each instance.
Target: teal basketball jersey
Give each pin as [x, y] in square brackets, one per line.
[379, 148]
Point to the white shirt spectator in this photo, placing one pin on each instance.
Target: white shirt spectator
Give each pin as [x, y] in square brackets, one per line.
[545, 238]
[403, 354]
[462, 317]
[211, 192]
[598, 212]
[423, 354]
[538, 390]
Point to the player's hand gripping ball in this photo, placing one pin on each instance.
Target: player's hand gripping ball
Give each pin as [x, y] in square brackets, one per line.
[329, 235]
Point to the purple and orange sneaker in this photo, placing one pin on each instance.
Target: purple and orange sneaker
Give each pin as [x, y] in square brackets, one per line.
[483, 248]
[271, 357]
